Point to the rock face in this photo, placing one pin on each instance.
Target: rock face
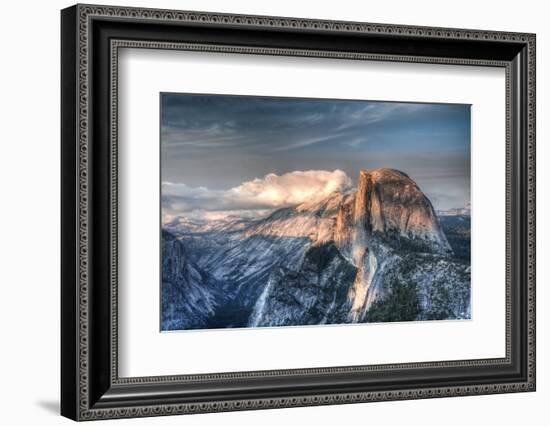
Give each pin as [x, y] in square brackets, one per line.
[313, 295]
[374, 254]
[188, 293]
[393, 205]
[390, 214]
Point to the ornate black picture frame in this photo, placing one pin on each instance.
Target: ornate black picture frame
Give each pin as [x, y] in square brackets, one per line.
[90, 38]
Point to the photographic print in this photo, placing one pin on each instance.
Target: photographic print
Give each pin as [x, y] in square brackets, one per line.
[294, 212]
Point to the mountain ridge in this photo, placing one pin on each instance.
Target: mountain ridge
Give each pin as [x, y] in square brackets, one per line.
[292, 267]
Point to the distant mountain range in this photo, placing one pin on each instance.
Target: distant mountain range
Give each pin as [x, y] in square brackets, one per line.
[458, 211]
[377, 253]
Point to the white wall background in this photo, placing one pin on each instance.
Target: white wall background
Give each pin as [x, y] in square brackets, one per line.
[29, 216]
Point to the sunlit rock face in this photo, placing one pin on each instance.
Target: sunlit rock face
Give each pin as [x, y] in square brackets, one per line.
[389, 213]
[376, 253]
[395, 206]
[391, 204]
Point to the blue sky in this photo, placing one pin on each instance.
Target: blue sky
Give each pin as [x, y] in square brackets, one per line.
[213, 144]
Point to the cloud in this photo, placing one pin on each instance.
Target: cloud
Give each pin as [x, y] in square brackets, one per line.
[258, 195]
[226, 122]
[307, 141]
[292, 188]
[355, 142]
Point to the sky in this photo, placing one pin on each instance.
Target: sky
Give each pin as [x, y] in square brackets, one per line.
[246, 155]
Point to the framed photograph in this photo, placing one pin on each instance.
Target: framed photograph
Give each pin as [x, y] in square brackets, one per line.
[263, 212]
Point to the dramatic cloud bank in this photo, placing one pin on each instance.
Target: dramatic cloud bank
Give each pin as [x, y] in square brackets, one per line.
[257, 196]
[291, 188]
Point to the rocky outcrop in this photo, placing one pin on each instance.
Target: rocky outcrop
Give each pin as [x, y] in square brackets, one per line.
[386, 216]
[188, 292]
[389, 213]
[390, 204]
[316, 294]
